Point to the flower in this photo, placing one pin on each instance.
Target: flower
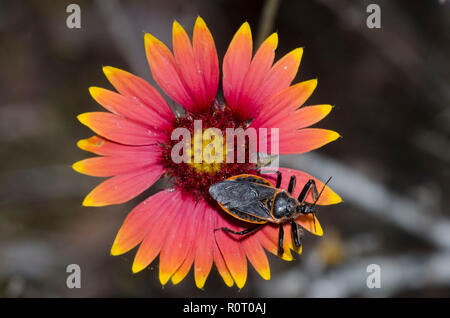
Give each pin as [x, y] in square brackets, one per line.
[133, 141]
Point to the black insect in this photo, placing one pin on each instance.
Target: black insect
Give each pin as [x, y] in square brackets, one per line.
[254, 199]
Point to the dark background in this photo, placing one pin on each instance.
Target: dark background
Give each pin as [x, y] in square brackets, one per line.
[391, 92]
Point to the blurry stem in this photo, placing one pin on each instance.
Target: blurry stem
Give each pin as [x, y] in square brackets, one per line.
[268, 15]
[122, 34]
[375, 199]
[398, 272]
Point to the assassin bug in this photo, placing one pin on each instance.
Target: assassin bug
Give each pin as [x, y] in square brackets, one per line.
[254, 199]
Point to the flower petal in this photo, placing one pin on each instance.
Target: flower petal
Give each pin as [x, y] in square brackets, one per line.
[165, 72]
[304, 140]
[122, 188]
[183, 270]
[285, 102]
[187, 65]
[236, 63]
[288, 123]
[280, 76]
[138, 222]
[256, 255]
[206, 57]
[221, 266]
[261, 63]
[204, 244]
[179, 240]
[157, 233]
[104, 147]
[119, 129]
[310, 223]
[125, 106]
[112, 166]
[268, 237]
[304, 117]
[231, 249]
[140, 90]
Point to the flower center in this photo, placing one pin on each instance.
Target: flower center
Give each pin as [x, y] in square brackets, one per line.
[202, 146]
[211, 151]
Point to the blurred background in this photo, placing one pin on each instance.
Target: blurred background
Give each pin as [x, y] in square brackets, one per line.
[390, 87]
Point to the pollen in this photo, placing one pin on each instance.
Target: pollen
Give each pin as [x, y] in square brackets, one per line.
[208, 152]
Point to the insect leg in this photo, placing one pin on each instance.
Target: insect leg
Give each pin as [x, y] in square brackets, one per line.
[280, 241]
[279, 176]
[273, 171]
[295, 236]
[249, 230]
[310, 185]
[291, 184]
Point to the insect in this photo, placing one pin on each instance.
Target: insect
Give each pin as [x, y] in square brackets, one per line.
[254, 199]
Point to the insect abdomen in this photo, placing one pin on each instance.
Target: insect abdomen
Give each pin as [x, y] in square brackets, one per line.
[246, 216]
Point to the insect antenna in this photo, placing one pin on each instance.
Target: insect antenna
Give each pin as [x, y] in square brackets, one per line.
[317, 199]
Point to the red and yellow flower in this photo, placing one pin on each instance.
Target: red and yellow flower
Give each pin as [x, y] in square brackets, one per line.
[133, 143]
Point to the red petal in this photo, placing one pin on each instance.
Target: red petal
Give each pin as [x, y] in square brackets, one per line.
[279, 77]
[189, 69]
[119, 129]
[104, 147]
[248, 106]
[256, 256]
[112, 166]
[206, 57]
[304, 117]
[165, 72]
[235, 65]
[231, 250]
[179, 239]
[285, 102]
[183, 270]
[127, 107]
[221, 266]
[122, 188]
[140, 90]
[157, 232]
[138, 222]
[304, 140]
[204, 244]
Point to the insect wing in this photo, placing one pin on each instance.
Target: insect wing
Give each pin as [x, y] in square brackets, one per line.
[243, 197]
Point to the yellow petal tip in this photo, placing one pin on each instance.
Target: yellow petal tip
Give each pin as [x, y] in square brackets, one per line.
[298, 52]
[200, 282]
[177, 28]
[83, 118]
[199, 22]
[116, 250]
[109, 71]
[240, 281]
[78, 166]
[313, 82]
[245, 29]
[88, 201]
[82, 143]
[95, 91]
[137, 267]
[334, 135]
[150, 39]
[265, 274]
[163, 278]
[273, 40]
